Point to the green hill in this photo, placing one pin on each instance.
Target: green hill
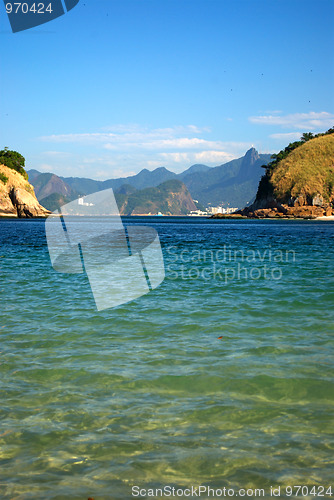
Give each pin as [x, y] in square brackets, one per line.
[170, 198]
[304, 170]
[299, 181]
[54, 201]
[46, 184]
[307, 171]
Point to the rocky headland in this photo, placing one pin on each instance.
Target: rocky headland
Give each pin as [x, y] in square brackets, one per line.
[298, 182]
[17, 196]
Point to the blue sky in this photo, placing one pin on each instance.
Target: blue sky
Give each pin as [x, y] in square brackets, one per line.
[116, 86]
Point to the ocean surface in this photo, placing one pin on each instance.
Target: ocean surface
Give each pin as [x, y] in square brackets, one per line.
[146, 394]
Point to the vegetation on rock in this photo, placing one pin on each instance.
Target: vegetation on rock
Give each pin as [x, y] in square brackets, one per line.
[17, 197]
[54, 201]
[3, 178]
[170, 198]
[13, 160]
[304, 168]
[299, 181]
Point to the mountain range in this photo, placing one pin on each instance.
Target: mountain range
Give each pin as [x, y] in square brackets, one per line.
[231, 184]
[170, 198]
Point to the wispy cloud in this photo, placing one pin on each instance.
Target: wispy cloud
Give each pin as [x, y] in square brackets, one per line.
[151, 143]
[129, 138]
[45, 167]
[123, 149]
[272, 112]
[116, 173]
[305, 121]
[58, 154]
[206, 157]
[289, 136]
[136, 128]
[131, 135]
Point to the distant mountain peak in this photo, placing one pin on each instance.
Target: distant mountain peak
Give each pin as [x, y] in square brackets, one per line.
[198, 168]
[251, 155]
[161, 169]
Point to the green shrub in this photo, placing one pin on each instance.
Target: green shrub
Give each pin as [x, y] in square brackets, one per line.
[3, 178]
[13, 160]
[29, 188]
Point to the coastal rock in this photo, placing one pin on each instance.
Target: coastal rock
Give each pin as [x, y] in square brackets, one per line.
[6, 206]
[329, 211]
[265, 212]
[17, 197]
[300, 201]
[26, 204]
[266, 203]
[298, 182]
[305, 212]
[317, 200]
[299, 212]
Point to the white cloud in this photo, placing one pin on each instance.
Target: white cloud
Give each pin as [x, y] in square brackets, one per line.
[175, 157]
[127, 135]
[272, 112]
[115, 173]
[210, 157]
[159, 144]
[152, 164]
[45, 168]
[173, 145]
[120, 150]
[72, 138]
[134, 138]
[135, 128]
[290, 136]
[216, 157]
[103, 160]
[58, 154]
[305, 121]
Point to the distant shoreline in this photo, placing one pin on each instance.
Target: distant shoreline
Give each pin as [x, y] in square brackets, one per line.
[327, 218]
[324, 217]
[14, 216]
[225, 217]
[281, 217]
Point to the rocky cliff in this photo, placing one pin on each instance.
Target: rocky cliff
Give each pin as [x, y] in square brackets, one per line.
[17, 197]
[299, 182]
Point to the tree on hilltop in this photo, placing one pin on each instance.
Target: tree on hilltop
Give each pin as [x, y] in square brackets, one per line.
[13, 160]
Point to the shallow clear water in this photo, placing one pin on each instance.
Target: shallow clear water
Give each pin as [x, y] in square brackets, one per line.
[146, 394]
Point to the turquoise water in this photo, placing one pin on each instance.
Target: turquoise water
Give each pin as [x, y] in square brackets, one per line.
[93, 403]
